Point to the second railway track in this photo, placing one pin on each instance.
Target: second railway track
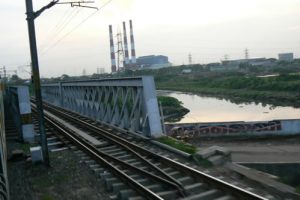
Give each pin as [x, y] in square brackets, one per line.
[134, 172]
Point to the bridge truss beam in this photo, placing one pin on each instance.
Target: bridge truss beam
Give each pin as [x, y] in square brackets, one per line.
[129, 103]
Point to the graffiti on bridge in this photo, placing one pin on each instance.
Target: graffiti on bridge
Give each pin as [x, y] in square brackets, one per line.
[224, 129]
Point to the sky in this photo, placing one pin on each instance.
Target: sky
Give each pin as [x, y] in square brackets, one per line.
[72, 39]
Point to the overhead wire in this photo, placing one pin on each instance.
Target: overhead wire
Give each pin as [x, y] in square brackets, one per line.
[61, 27]
[65, 17]
[68, 20]
[68, 33]
[55, 27]
[74, 28]
[105, 4]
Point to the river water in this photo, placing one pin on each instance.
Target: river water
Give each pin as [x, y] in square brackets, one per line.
[212, 109]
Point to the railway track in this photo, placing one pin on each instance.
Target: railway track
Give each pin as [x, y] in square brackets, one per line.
[132, 171]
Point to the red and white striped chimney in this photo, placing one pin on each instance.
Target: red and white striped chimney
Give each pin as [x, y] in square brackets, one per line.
[125, 45]
[112, 50]
[133, 58]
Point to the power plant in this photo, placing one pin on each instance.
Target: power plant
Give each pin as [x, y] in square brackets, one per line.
[133, 59]
[125, 45]
[124, 62]
[112, 50]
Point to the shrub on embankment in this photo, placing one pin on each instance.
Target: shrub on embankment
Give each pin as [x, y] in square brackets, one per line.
[177, 144]
[172, 108]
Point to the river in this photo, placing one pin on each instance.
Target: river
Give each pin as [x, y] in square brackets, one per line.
[212, 109]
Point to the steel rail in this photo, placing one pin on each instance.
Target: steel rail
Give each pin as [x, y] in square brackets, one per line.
[122, 143]
[217, 183]
[90, 150]
[116, 160]
[210, 180]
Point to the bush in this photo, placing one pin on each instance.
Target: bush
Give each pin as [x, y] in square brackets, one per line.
[169, 101]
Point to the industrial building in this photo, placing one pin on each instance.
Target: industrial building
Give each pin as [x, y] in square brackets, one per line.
[153, 62]
[234, 65]
[122, 60]
[250, 61]
[288, 57]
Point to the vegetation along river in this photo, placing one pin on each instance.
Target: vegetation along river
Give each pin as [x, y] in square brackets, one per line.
[213, 109]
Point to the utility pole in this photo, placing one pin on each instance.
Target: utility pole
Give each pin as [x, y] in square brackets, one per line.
[246, 54]
[190, 59]
[4, 72]
[31, 15]
[120, 52]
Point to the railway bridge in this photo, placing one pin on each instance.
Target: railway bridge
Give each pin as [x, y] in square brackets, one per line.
[128, 103]
[111, 122]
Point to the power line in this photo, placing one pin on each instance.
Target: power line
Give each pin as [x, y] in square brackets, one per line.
[59, 24]
[61, 19]
[74, 28]
[62, 27]
[105, 4]
[64, 17]
[68, 33]
[67, 20]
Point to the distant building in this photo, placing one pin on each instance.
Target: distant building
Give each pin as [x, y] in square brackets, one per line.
[222, 68]
[153, 61]
[250, 61]
[186, 71]
[288, 57]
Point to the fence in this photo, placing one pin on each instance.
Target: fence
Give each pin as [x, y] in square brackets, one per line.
[4, 192]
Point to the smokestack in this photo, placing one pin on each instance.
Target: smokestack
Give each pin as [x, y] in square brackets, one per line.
[133, 59]
[125, 45]
[112, 50]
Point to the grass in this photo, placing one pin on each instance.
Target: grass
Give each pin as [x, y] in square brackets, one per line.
[298, 189]
[45, 181]
[47, 197]
[186, 147]
[46, 178]
[177, 144]
[42, 182]
[25, 147]
[203, 162]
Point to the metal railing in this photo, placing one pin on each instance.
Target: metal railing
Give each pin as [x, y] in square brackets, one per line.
[128, 103]
[4, 189]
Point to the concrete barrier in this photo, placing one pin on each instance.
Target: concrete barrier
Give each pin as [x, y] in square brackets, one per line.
[240, 128]
[18, 101]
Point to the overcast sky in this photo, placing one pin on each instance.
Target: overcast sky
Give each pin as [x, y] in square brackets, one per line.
[208, 29]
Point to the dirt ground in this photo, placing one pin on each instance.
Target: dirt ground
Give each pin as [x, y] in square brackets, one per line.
[67, 178]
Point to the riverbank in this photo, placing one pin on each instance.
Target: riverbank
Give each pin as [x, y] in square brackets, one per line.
[172, 108]
[241, 96]
[277, 91]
